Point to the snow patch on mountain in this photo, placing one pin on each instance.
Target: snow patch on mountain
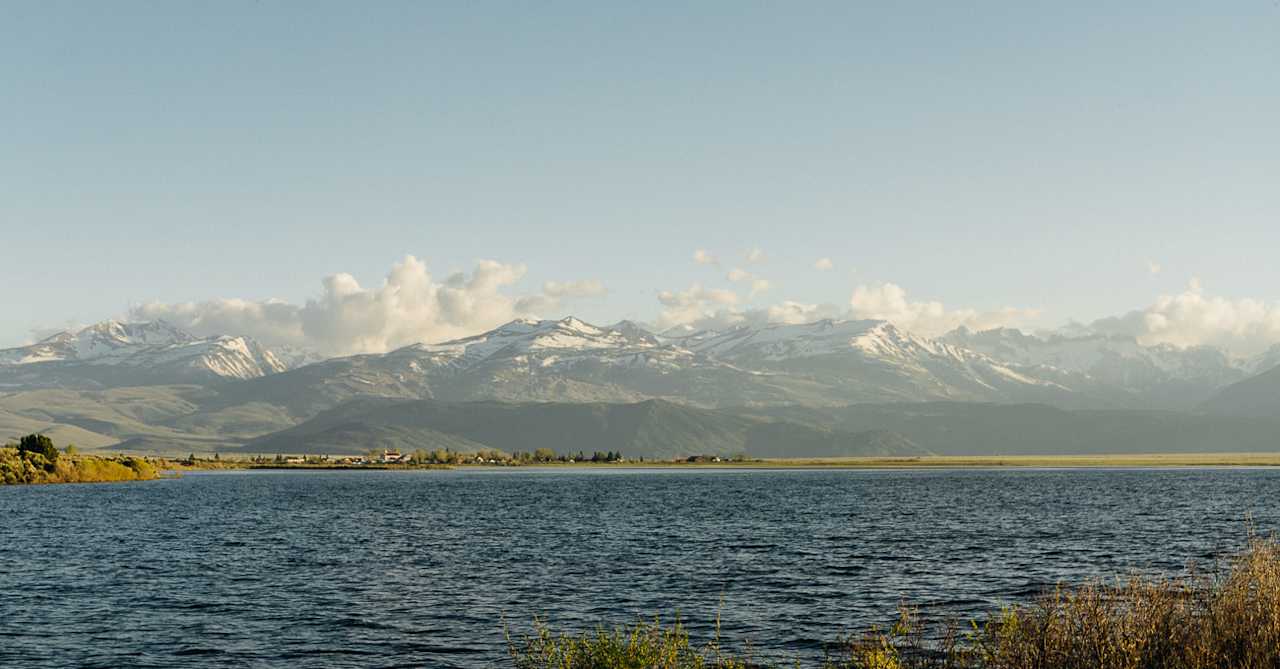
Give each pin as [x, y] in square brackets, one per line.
[549, 344]
[1166, 376]
[152, 346]
[1092, 354]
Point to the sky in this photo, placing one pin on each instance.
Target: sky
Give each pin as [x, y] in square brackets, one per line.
[356, 176]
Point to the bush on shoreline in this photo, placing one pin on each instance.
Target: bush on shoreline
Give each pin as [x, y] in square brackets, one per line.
[35, 460]
[1229, 619]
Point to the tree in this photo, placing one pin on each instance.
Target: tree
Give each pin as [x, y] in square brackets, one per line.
[544, 455]
[40, 445]
[71, 449]
[39, 451]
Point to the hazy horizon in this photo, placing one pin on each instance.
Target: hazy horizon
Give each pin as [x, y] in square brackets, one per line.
[353, 179]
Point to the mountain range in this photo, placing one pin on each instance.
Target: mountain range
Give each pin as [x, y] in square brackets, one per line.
[152, 386]
[652, 429]
[115, 354]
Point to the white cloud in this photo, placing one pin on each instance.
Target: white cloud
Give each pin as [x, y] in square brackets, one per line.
[1242, 326]
[409, 306]
[725, 317]
[754, 256]
[888, 301]
[823, 264]
[795, 313]
[699, 308]
[43, 332]
[696, 294]
[693, 305]
[582, 288]
[1153, 267]
[758, 285]
[702, 257]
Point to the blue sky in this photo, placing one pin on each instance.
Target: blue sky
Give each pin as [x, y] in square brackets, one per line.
[1042, 157]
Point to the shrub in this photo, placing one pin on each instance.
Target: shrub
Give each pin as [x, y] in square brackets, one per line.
[643, 646]
[141, 468]
[1228, 619]
[30, 462]
[40, 450]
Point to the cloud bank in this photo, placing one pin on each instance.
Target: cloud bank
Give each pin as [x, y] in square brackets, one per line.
[696, 306]
[1242, 326]
[699, 308]
[888, 301]
[410, 306]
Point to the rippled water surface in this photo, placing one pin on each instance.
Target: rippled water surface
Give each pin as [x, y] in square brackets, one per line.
[382, 569]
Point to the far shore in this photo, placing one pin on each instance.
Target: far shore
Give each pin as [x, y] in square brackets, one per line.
[1066, 461]
[1144, 460]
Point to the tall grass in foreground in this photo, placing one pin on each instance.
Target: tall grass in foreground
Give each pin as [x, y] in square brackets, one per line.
[1228, 619]
[643, 646]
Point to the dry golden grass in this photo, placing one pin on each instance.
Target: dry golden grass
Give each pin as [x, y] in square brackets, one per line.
[643, 646]
[1227, 619]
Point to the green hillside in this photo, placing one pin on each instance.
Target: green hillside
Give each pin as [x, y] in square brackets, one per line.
[652, 429]
[960, 428]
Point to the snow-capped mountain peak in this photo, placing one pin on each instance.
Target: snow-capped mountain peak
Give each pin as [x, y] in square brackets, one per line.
[780, 341]
[150, 351]
[1171, 376]
[523, 337]
[835, 361]
[96, 341]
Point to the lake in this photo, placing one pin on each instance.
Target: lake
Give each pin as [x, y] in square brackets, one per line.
[409, 569]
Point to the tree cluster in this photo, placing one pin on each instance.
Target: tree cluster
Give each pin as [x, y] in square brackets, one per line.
[34, 459]
[549, 455]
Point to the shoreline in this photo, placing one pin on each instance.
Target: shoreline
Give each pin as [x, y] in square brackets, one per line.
[938, 462]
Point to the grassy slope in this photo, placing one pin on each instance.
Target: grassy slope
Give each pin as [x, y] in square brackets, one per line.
[359, 437]
[181, 419]
[152, 418]
[955, 428]
[650, 429]
[1255, 396]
